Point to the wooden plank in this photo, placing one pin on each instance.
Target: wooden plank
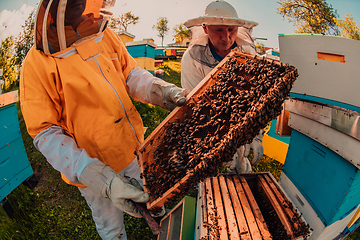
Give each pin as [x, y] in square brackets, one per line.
[201, 215]
[249, 215]
[229, 210]
[256, 210]
[239, 213]
[209, 200]
[170, 228]
[282, 124]
[285, 130]
[277, 207]
[278, 123]
[283, 200]
[220, 209]
[8, 98]
[212, 231]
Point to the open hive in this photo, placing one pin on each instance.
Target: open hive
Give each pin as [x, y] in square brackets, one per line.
[225, 111]
[246, 206]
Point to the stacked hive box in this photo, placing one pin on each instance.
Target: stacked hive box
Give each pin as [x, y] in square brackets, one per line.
[226, 110]
[125, 36]
[144, 54]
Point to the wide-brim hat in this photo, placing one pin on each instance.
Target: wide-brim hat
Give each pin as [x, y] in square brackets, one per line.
[220, 12]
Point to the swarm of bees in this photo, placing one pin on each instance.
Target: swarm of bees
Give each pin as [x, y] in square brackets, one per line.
[244, 95]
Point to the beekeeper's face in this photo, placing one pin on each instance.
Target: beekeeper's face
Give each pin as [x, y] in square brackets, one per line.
[222, 37]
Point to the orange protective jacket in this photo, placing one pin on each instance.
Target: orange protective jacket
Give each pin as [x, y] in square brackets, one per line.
[83, 90]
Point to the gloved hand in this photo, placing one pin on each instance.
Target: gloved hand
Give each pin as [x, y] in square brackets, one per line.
[161, 211]
[239, 162]
[102, 179]
[257, 147]
[167, 95]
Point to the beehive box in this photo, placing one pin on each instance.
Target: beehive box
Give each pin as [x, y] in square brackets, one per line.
[144, 48]
[226, 110]
[246, 206]
[15, 167]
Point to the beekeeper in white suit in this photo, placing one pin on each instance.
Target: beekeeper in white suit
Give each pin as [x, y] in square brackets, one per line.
[75, 88]
[214, 35]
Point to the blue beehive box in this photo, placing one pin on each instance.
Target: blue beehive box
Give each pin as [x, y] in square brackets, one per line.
[15, 167]
[159, 52]
[321, 173]
[143, 48]
[329, 182]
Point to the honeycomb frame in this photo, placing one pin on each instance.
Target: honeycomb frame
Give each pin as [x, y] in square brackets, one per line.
[226, 110]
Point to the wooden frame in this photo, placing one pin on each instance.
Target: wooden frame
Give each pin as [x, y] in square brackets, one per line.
[147, 150]
[282, 124]
[187, 208]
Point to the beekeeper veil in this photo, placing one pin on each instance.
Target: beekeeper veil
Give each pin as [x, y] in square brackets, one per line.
[60, 23]
[220, 12]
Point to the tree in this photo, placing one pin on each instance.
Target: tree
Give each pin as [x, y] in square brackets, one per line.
[310, 16]
[181, 32]
[348, 28]
[123, 21]
[25, 40]
[162, 28]
[7, 63]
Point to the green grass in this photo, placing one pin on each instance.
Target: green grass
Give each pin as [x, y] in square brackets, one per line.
[55, 210]
[172, 70]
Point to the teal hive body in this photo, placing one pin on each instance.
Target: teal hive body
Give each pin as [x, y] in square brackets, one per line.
[142, 50]
[14, 164]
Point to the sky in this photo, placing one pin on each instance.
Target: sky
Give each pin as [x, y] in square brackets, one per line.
[13, 14]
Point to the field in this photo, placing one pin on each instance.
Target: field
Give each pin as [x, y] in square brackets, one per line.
[55, 210]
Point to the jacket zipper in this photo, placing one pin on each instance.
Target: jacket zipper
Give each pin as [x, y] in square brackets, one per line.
[127, 117]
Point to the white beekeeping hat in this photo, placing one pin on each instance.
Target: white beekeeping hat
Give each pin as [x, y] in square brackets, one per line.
[220, 12]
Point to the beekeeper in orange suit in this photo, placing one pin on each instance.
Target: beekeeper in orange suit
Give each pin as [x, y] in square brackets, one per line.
[214, 35]
[75, 86]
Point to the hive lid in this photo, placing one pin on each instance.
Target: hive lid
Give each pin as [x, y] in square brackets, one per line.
[8, 98]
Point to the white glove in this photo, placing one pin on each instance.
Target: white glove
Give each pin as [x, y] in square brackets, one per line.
[257, 147]
[166, 95]
[239, 162]
[143, 86]
[102, 179]
[80, 168]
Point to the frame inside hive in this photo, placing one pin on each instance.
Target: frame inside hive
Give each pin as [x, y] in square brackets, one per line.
[226, 110]
[246, 206]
